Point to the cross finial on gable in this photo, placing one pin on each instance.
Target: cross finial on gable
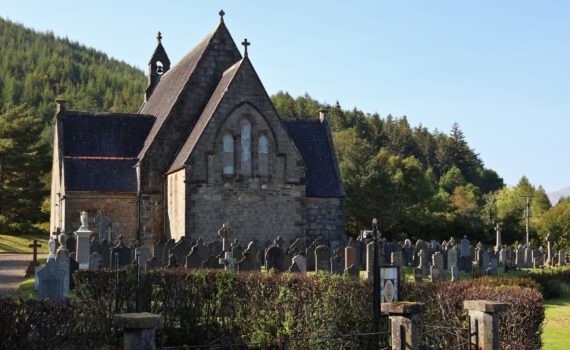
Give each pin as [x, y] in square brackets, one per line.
[221, 13]
[159, 36]
[245, 44]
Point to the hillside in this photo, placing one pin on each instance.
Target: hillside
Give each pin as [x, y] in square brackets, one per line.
[35, 68]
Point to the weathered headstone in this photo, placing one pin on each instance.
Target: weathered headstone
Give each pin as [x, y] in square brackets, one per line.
[528, 256]
[158, 248]
[370, 259]
[249, 260]
[561, 258]
[485, 259]
[51, 281]
[152, 264]
[274, 259]
[519, 257]
[166, 251]
[422, 263]
[300, 264]
[452, 257]
[95, 261]
[62, 259]
[408, 252]
[193, 259]
[549, 249]
[353, 271]
[144, 254]
[435, 273]
[493, 268]
[94, 245]
[322, 258]
[73, 266]
[237, 250]
[397, 259]
[297, 247]
[224, 233]
[465, 255]
[52, 245]
[437, 261]
[172, 263]
[310, 255]
[120, 254]
[350, 257]
[337, 260]
[455, 276]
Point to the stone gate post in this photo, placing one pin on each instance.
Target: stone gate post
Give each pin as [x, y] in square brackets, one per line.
[405, 317]
[485, 314]
[138, 329]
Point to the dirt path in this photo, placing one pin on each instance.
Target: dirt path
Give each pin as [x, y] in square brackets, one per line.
[12, 270]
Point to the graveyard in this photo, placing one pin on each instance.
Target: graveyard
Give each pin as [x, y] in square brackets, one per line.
[147, 204]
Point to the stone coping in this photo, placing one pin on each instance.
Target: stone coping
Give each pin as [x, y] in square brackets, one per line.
[403, 308]
[484, 306]
[143, 320]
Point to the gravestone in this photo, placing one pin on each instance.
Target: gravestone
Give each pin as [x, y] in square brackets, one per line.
[95, 261]
[502, 257]
[310, 255]
[337, 260]
[452, 257]
[105, 253]
[422, 263]
[212, 262]
[71, 243]
[353, 271]
[181, 249]
[297, 247]
[350, 257]
[465, 255]
[249, 260]
[94, 245]
[408, 251]
[300, 264]
[549, 249]
[418, 275]
[528, 256]
[83, 235]
[158, 248]
[62, 260]
[193, 259]
[435, 273]
[224, 233]
[172, 263]
[493, 268]
[166, 251]
[274, 259]
[322, 258]
[561, 258]
[437, 261]
[397, 259]
[370, 259]
[51, 281]
[237, 250]
[485, 259]
[519, 257]
[152, 264]
[455, 276]
[120, 254]
[420, 245]
[144, 254]
[52, 246]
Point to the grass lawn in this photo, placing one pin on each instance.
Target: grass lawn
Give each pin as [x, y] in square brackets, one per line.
[556, 335]
[19, 244]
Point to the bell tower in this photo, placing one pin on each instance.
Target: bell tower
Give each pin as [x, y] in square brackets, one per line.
[158, 65]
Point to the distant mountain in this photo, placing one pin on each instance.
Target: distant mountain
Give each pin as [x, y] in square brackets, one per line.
[554, 197]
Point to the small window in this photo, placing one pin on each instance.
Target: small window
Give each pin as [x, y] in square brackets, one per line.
[228, 157]
[263, 156]
[245, 147]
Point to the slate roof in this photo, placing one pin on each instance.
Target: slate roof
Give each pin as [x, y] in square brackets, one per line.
[100, 149]
[171, 85]
[312, 140]
[205, 117]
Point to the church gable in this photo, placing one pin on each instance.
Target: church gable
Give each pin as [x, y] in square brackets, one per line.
[181, 95]
[239, 135]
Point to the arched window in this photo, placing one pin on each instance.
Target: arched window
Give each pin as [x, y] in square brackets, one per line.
[263, 156]
[245, 147]
[228, 157]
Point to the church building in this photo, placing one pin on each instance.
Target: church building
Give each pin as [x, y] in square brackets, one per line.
[207, 147]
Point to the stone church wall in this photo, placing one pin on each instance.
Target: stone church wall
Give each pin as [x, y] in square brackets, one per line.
[325, 218]
[121, 208]
[253, 212]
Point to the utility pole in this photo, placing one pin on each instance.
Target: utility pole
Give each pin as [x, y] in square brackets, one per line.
[527, 215]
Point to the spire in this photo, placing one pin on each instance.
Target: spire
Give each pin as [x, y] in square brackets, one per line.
[245, 44]
[221, 13]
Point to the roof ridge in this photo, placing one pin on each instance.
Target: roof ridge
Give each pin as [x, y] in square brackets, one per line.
[106, 114]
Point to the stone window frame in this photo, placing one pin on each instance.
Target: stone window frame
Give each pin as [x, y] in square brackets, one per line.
[242, 163]
[263, 172]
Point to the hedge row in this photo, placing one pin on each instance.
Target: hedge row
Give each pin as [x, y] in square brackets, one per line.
[520, 325]
[45, 324]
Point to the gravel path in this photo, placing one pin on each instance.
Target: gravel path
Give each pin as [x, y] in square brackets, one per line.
[12, 270]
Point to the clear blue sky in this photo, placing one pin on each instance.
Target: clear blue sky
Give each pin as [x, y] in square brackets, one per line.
[501, 69]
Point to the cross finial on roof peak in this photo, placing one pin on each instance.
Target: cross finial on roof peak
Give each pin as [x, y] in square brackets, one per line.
[159, 36]
[245, 44]
[221, 13]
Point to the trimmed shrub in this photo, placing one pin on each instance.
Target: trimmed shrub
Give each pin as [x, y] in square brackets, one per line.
[49, 324]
